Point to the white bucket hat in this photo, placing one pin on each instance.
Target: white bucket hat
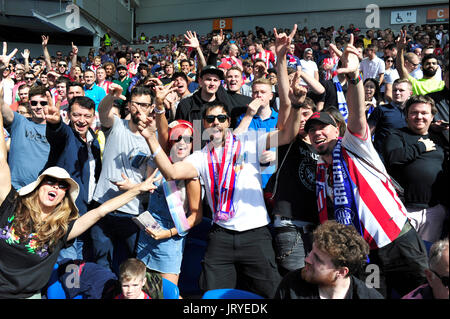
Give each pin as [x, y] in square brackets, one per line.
[56, 172]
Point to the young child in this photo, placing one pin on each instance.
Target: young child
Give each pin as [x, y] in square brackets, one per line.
[132, 279]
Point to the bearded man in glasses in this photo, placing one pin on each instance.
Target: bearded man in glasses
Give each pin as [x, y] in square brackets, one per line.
[29, 146]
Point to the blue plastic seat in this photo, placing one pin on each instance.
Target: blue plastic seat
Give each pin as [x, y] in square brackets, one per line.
[170, 290]
[230, 294]
[55, 289]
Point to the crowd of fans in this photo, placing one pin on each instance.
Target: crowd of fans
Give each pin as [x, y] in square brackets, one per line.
[124, 122]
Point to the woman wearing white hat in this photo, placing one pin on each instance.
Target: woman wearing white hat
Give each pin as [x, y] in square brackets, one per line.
[39, 220]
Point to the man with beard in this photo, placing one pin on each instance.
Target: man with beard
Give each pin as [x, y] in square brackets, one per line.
[339, 253]
[126, 161]
[75, 148]
[353, 188]
[428, 83]
[29, 146]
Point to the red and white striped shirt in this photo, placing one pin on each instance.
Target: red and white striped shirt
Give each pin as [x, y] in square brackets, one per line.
[105, 85]
[381, 212]
[266, 55]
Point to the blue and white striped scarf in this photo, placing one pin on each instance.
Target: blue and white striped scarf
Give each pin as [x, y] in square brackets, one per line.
[342, 102]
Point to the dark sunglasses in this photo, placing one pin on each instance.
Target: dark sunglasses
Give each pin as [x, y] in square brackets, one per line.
[42, 103]
[29, 78]
[136, 56]
[187, 139]
[444, 279]
[62, 64]
[211, 118]
[63, 185]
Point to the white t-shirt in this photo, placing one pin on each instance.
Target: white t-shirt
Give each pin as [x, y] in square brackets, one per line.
[372, 68]
[309, 67]
[128, 153]
[250, 209]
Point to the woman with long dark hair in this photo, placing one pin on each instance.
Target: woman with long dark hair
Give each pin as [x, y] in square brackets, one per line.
[40, 219]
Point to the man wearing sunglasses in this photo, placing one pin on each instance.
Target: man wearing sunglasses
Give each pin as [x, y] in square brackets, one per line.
[29, 146]
[231, 162]
[437, 274]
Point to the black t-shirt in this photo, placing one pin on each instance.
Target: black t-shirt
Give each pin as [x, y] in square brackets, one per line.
[24, 270]
[421, 173]
[330, 96]
[295, 193]
[293, 286]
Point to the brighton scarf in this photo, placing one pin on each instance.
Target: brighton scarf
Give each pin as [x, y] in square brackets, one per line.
[222, 176]
[345, 210]
[342, 102]
[175, 198]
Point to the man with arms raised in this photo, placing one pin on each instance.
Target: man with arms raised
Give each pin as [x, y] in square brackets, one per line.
[352, 187]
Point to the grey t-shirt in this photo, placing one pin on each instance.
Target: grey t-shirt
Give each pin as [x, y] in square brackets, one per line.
[125, 152]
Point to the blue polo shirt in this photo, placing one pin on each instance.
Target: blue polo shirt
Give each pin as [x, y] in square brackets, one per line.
[385, 118]
[267, 125]
[96, 93]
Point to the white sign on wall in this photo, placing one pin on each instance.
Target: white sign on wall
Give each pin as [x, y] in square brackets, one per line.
[403, 17]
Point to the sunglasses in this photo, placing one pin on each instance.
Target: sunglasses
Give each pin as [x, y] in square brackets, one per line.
[62, 185]
[29, 78]
[389, 60]
[444, 279]
[62, 64]
[187, 139]
[211, 118]
[136, 56]
[42, 103]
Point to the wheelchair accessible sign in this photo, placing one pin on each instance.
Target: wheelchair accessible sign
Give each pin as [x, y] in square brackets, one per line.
[403, 17]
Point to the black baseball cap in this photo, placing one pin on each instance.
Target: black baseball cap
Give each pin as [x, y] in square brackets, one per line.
[122, 67]
[211, 69]
[322, 117]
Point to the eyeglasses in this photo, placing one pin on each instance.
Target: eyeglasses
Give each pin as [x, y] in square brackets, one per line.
[389, 60]
[136, 56]
[414, 64]
[211, 118]
[143, 105]
[42, 103]
[62, 185]
[444, 279]
[29, 78]
[187, 139]
[62, 64]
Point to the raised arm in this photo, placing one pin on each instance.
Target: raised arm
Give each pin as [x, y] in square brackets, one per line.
[5, 174]
[282, 42]
[91, 217]
[74, 60]
[7, 113]
[161, 121]
[356, 123]
[193, 42]
[105, 112]
[26, 56]
[297, 96]
[400, 61]
[179, 170]
[47, 59]
[252, 109]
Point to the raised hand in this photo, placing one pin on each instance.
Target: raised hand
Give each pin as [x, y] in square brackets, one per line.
[350, 60]
[116, 91]
[254, 106]
[52, 112]
[217, 40]
[147, 127]
[297, 92]
[125, 184]
[148, 184]
[282, 41]
[429, 144]
[45, 40]
[25, 54]
[74, 49]
[401, 41]
[161, 93]
[5, 58]
[192, 40]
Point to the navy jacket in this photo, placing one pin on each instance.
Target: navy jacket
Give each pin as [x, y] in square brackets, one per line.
[69, 151]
